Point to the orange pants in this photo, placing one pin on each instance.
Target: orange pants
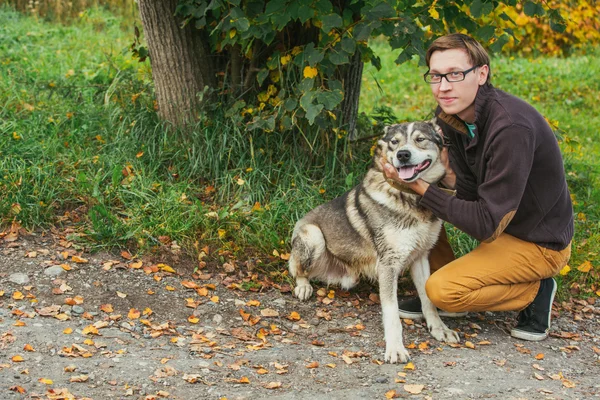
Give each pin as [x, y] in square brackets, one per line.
[503, 275]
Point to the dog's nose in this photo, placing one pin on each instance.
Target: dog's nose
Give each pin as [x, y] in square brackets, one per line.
[403, 155]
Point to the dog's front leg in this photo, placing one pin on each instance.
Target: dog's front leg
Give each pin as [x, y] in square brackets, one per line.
[392, 327]
[420, 273]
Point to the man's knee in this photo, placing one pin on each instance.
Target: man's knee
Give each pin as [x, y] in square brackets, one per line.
[443, 294]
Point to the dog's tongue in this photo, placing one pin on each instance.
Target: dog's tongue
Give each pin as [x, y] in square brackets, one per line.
[407, 172]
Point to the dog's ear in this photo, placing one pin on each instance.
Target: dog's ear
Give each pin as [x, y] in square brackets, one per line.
[438, 130]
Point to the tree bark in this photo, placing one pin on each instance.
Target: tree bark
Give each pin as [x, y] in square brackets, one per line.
[180, 60]
[352, 80]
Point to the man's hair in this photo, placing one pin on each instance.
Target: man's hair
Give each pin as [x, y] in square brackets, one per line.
[475, 51]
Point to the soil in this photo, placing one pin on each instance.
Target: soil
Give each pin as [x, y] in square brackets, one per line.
[111, 326]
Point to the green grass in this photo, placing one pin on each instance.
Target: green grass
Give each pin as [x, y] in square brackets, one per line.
[80, 145]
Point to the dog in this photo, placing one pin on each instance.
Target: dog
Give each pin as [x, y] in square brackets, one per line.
[377, 230]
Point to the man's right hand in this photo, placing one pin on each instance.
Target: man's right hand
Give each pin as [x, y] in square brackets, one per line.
[449, 180]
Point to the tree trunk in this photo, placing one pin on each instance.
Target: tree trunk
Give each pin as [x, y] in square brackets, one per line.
[180, 60]
[352, 79]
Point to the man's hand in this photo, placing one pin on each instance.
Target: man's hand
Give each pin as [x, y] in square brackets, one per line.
[449, 180]
[419, 186]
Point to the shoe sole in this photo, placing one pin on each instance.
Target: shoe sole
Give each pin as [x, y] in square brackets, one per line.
[531, 336]
[413, 315]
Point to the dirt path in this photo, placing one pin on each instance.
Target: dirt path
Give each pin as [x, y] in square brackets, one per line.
[105, 327]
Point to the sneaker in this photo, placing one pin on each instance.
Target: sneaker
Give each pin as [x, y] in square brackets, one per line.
[533, 323]
[411, 309]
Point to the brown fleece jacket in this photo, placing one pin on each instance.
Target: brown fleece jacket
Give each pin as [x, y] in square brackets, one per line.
[509, 177]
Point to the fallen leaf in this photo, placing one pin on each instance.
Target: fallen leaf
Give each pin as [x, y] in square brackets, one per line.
[79, 378]
[585, 267]
[539, 356]
[272, 385]
[79, 260]
[28, 347]
[133, 313]
[17, 358]
[68, 331]
[18, 295]
[17, 389]
[414, 389]
[46, 381]
[469, 345]
[166, 268]
[253, 303]
[538, 376]
[294, 316]
[410, 366]
[312, 365]
[121, 295]
[107, 308]
[193, 320]
[269, 312]
[391, 394]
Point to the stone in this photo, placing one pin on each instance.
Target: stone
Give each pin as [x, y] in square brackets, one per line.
[54, 271]
[19, 278]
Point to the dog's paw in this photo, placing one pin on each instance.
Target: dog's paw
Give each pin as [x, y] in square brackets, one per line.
[303, 292]
[445, 334]
[396, 353]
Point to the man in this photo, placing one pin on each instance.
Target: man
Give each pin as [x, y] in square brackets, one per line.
[505, 166]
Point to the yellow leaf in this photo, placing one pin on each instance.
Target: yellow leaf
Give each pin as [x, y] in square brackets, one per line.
[170, 288]
[414, 389]
[79, 260]
[433, 12]
[214, 299]
[68, 331]
[133, 314]
[285, 59]
[540, 356]
[28, 347]
[566, 269]
[46, 381]
[222, 233]
[19, 323]
[294, 316]
[470, 345]
[409, 366]
[232, 33]
[391, 394]
[17, 359]
[244, 379]
[312, 365]
[107, 308]
[193, 320]
[18, 295]
[90, 330]
[310, 72]
[253, 303]
[166, 268]
[585, 267]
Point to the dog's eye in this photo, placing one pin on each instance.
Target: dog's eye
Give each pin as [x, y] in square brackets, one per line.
[420, 139]
[394, 141]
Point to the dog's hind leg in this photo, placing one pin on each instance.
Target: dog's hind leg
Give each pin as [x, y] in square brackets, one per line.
[420, 272]
[308, 244]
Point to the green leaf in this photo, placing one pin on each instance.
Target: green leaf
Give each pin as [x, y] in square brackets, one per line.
[262, 75]
[381, 10]
[532, 9]
[477, 8]
[338, 58]
[330, 99]
[290, 104]
[497, 46]
[312, 55]
[331, 21]
[486, 32]
[348, 45]
[312, 112]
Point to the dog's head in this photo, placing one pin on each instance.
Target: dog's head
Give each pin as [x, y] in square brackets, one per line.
[414, 149]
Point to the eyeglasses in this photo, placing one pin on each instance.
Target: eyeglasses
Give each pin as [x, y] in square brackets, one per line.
[454, 76]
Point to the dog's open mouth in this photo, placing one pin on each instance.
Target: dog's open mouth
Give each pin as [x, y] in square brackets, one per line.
[410, 172]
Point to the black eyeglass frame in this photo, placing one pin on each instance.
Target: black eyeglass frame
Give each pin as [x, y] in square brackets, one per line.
[442, 76]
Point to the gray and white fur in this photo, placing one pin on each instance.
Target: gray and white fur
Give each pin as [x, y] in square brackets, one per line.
[377, 231]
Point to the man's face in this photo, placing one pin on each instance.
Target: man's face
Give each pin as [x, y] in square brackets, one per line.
[456, 98]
